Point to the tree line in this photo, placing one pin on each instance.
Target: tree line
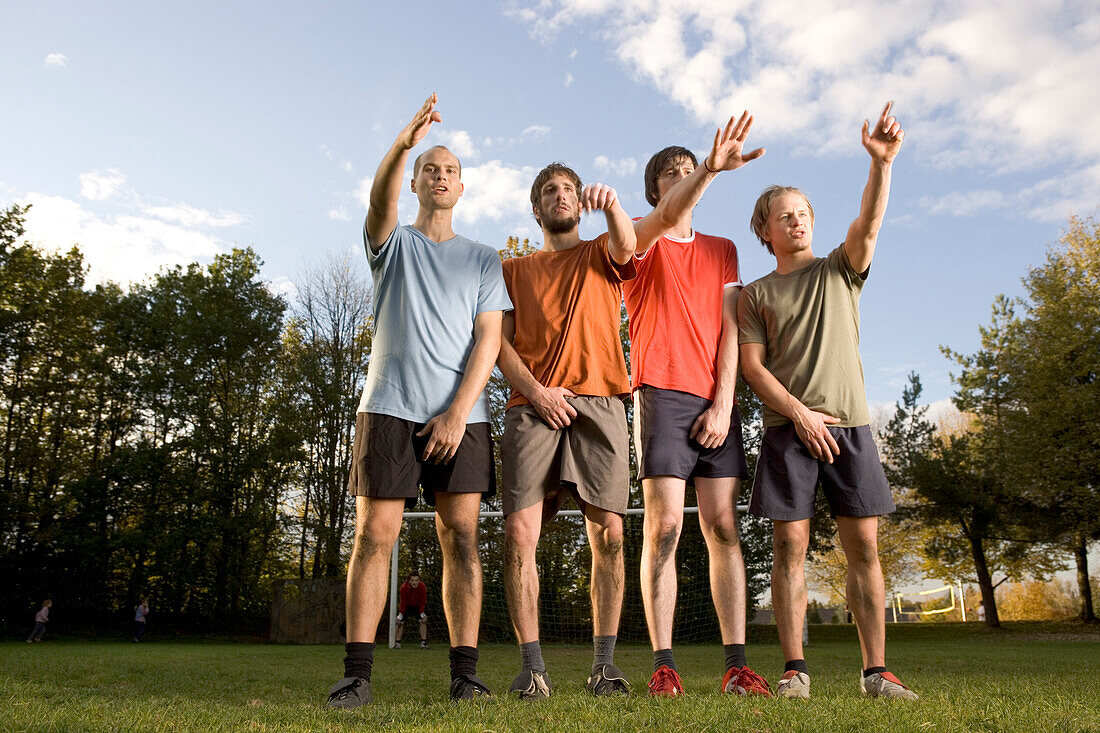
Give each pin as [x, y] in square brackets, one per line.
[188, 439]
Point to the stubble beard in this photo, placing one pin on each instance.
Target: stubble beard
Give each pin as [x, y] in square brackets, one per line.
[555, 224]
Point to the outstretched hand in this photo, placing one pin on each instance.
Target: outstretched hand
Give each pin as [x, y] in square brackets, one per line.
[727, 152]
[421, 122]
[598, 197]
[884, 142]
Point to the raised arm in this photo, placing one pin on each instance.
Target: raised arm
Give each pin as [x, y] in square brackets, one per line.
[711, 428]
[726, 154]
[620, 230]
[810, 425]
[447, 429]
[386, 188]
[883, 143]
[549, 402]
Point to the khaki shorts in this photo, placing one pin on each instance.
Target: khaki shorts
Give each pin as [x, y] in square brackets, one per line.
[590, 457]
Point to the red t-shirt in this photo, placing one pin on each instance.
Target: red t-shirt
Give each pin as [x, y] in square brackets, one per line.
[412, 598]
[675, 309]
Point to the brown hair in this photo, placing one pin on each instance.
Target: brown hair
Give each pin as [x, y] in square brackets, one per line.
[658, 163]
[554, 169]
[763, 210]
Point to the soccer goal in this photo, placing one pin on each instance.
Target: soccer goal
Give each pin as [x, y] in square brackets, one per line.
[564, 560]
[928, 603]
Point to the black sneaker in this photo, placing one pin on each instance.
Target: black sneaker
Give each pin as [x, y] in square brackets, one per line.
[349, 693]
[607, 680]
[468, 687]
[532, 685]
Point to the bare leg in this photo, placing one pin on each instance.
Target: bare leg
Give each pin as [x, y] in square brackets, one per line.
[866, 592]
[521, 580]
[456, 525]
[789, 543]
[718, 520]
[605, 536]
[377, 524]
[661, 526]
[399, 631]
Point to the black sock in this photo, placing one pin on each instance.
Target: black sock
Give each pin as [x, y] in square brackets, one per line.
[735, 656]
[663, 658]
[798, 665]
[530, 655]
[463, 661]
[872, 670]
[358, 659]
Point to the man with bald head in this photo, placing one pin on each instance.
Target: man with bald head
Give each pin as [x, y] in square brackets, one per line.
[424, 419]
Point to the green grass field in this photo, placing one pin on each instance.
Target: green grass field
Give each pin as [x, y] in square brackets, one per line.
[1033, 677]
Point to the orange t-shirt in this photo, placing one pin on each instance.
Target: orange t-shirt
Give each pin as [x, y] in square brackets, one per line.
[675, 309]
[567, 310]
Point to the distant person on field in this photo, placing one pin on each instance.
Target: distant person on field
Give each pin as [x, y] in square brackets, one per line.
[40, 620]
[799, 336]
[412, 598]
[687, 429]
[423, 420]
[981, 612]
[141, 610]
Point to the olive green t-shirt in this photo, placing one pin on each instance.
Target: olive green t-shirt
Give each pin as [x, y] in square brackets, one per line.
[808, 322]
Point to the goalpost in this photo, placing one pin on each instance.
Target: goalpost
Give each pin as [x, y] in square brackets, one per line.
[951, 594]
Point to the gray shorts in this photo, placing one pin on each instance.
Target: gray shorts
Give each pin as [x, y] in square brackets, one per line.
[591, 456]
[662, 438]
[387, 464]
[787, 476]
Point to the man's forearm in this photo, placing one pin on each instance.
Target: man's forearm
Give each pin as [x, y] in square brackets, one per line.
[772, 392]
[479, 365]
[726, 386]
[621, 240]
[516, 372]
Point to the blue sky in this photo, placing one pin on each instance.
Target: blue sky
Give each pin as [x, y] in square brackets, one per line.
[155, 133]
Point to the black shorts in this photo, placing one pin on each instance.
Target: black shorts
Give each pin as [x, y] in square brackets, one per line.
[662, 438]
[787, 476]
[387, 461]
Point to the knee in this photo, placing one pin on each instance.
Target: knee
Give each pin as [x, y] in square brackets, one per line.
[520, 539]
[373, 539]
[460, 544]
[789, 551]
[724, 530]
[609, 540]
[862, 550]
[663, 534]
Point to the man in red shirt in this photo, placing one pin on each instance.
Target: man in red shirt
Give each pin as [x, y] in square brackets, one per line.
[683, 339]
[412, 598]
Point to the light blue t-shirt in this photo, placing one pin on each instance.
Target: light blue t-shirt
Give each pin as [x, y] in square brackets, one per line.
[426, 296]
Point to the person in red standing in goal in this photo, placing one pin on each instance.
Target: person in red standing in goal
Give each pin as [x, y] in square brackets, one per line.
[412, 598]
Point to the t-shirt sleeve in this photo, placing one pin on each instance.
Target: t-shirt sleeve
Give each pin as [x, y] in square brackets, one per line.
[507, 272]
[750, 326]
[616, 272]
[492, 295]
[732, 277]
[838, 262]
[392, 241]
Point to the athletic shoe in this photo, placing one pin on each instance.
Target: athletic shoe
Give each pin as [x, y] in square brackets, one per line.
[665, 683]
[532, 685]
[884, 684]
[468, 687]
[397, 645]
[349, 693]
[607, 680]
[423, 644]
[744, 681]
[794, 684]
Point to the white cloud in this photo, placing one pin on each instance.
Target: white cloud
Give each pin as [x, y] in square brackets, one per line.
[495, 191]
[459, 142]
[56, 61]
[118, 247]
[568, 81]
[102, 185]
[1013, 83]
[622, 167]
[189, 216]
[339, 213]
[573, 54]
[535, 132]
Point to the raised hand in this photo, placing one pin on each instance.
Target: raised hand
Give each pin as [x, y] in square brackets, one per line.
[598, 197]
[727, 152]
[419, 125]
[884, 142]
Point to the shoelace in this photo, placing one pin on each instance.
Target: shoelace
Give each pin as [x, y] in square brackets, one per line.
[347, 691]
[747, 678]
[664, 676]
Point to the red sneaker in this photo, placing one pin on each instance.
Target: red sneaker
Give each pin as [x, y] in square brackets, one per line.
[745, 682]
[665, 683]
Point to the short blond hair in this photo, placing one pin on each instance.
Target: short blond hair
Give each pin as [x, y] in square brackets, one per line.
[763, 210]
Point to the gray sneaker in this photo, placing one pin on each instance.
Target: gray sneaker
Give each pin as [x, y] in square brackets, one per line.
[794, 684]
[532, 685]
[886, 685]
[349, 693]
[607, 680]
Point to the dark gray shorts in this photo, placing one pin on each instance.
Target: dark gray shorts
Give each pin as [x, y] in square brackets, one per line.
[787, 475]
[662, 437]
[386, 461]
